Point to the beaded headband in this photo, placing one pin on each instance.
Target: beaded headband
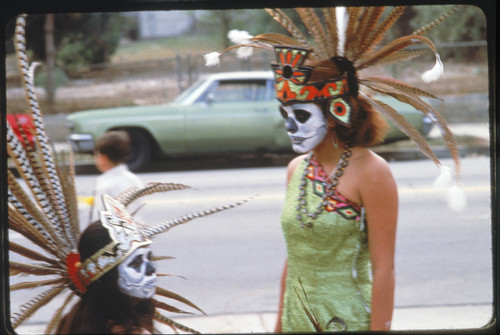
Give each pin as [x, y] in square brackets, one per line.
[125, 239]
[291, 83]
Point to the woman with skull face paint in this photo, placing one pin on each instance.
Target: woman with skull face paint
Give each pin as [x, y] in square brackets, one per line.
[120, 301]
[340, 214]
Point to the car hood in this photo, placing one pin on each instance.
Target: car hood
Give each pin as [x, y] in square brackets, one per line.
[102, 113]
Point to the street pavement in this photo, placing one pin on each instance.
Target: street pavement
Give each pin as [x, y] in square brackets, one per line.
[404, 318]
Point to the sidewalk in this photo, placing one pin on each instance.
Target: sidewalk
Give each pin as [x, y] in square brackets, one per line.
[404, 318]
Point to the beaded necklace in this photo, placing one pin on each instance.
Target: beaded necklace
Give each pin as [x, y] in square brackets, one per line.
[330, 188]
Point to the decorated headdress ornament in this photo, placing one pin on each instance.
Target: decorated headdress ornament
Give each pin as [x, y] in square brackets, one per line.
[349, 37]
[45, 212]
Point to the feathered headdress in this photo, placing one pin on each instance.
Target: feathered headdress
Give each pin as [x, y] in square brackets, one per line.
[43, 209]
[351, 36]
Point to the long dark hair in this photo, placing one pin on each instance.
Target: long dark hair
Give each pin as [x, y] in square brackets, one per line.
[104, 305]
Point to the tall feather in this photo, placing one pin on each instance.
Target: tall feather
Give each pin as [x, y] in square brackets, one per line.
[58, 314]
[400, 56]
[173, 324]
[163, 227]
[378, 34]
[66, 171]
[396, 45]
[365, 28]
[34, 304]
[331, 30]
[403, 125]
[129, 196]
[438, 21]
[40, 283]
[315, 28]
[30, 253]
[430, 112]
[279, 16]
[19, 223]
[353, 14]
[399, 85]
[174, 296]
[47, 160]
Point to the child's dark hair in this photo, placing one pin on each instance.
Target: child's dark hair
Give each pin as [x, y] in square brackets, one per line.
[115, 145]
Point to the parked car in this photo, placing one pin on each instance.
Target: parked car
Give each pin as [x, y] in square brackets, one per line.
[233, 112]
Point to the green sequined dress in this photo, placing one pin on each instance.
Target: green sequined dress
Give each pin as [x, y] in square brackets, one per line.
[329, 261]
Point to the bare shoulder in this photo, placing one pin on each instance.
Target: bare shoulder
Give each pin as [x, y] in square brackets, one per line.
[371, 168]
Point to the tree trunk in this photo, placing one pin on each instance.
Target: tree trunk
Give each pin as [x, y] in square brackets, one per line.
[50, 56]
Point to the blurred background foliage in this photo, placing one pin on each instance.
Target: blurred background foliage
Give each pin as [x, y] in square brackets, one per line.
[83, 39]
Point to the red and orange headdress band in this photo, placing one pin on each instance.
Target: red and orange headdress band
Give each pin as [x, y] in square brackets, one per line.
[291, 83]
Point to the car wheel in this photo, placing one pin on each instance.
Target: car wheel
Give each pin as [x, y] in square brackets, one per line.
[140, 150]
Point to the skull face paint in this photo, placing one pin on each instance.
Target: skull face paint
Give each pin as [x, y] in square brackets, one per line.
[306, 125]
[137, 275]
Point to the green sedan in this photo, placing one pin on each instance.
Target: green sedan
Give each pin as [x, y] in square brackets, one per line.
[225, 113]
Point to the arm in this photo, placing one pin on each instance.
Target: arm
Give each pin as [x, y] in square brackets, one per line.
[380, 199]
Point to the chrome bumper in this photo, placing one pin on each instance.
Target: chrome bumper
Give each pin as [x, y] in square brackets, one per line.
[81, 142]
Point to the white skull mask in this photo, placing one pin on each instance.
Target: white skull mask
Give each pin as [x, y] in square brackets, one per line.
[306, 125]
[137, 275]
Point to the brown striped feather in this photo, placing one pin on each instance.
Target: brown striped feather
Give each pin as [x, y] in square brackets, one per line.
[399, 85]
[30, 253]
[354, 14]
[34, 304]
[379, 33]
[58, 314]
[168, 308]
[33, 284]
[403, 125]
[365, 28]
[172, 324]
[174, 296]
[437, 21]
[331, 30]
[394, 46]
[315, 30]
[279, 16]
[33, 269]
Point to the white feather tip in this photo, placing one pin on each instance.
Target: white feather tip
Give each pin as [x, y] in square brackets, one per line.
[457, 199]
[212, 59]
[244, 52]
[434, 73]
[445, 178]
[239, 36]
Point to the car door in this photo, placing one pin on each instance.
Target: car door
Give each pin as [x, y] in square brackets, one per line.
[233, 115]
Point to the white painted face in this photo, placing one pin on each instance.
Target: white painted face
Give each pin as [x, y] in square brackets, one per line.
[306, 125]
[137, 275]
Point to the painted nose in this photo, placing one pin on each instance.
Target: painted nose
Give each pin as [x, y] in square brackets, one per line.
[150, 269]
[290, 125]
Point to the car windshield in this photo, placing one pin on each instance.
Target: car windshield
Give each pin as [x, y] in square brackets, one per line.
[185, 94]
[239, 90]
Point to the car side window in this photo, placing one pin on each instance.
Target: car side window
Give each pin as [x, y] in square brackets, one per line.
[238, 91]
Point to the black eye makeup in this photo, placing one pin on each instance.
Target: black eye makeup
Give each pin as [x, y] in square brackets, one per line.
[283, 113]
[302, 115]
[136, 262]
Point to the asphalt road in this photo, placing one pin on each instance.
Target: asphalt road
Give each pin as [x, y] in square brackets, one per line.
[232, 261]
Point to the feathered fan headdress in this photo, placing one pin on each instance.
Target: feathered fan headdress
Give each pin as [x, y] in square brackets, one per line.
[43, 209]
[352, 35]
